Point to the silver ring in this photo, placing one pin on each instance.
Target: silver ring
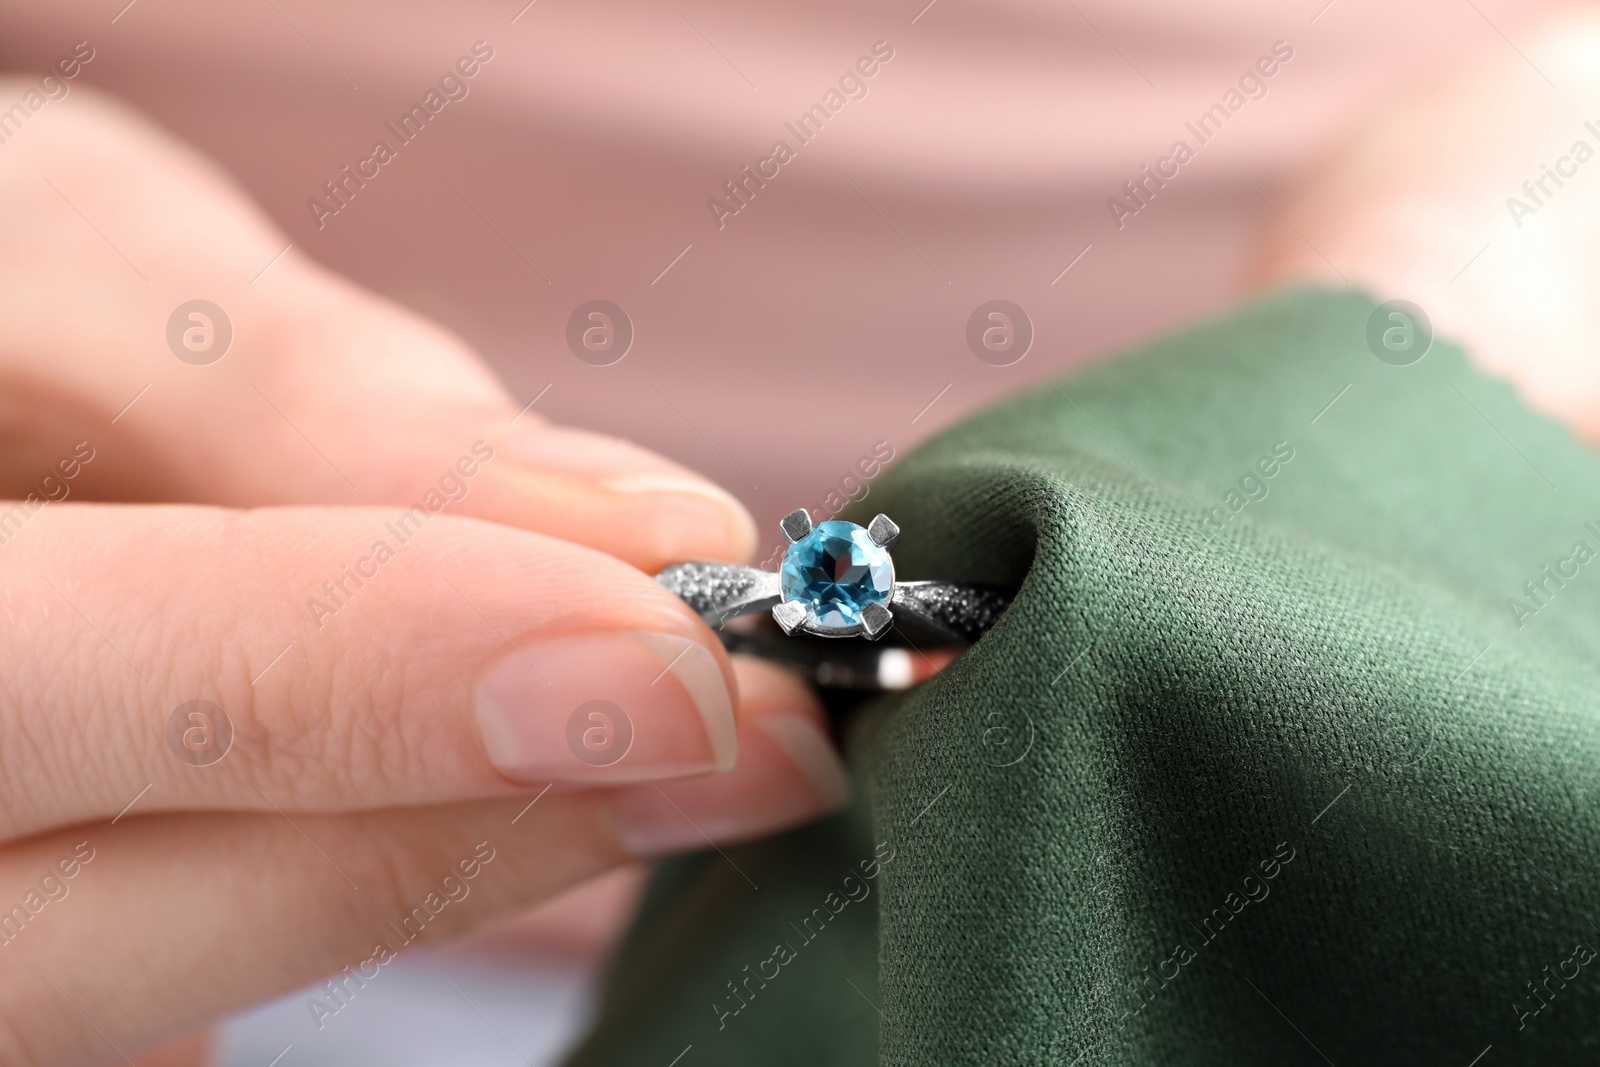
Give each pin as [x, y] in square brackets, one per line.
[837, 580]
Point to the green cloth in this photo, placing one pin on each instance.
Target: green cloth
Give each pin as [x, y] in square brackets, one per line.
[1313, 781]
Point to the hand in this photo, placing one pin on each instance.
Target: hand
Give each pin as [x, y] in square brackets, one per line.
[1446, 198]
[401, 679]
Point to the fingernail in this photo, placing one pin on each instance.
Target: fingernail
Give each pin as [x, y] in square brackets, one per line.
[788, 773]
[666, 483]
[812, 752]
[535, 443]
[684, 507]
[605, 707]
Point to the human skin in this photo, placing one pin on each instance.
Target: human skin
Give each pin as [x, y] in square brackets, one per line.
[394, 735]
[1413, 204]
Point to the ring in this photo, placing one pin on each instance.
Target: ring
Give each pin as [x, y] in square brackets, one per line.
[837, 580]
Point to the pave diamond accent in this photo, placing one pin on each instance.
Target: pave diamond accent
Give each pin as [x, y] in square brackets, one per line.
[718, 591]
[963, 612]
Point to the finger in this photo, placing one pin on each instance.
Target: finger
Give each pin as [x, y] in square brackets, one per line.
[471, 660]
[192, 1050]
[294, 387]
[215, 912]
[581, 924]
[787, 771]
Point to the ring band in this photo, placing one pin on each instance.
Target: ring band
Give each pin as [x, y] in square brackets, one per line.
[855, 665]
[837, 580]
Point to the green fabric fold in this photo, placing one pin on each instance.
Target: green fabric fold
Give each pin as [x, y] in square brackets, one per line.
[1287, 767]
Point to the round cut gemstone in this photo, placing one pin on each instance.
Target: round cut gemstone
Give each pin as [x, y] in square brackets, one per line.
[836, 571]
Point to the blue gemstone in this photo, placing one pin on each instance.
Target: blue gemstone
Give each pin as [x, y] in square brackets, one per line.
[836, 571]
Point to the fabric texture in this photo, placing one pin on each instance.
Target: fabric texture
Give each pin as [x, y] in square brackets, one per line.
[1285, 753]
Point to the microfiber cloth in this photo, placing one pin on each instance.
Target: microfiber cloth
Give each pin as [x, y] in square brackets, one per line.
[1287, 752]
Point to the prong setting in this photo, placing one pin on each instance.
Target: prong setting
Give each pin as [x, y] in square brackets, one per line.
[790, 615]
[875, 621]
[883, 531]
[832, 571]
[796, 524]
[836, 580]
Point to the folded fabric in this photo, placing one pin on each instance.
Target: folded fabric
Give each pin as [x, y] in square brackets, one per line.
[1287, 751]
